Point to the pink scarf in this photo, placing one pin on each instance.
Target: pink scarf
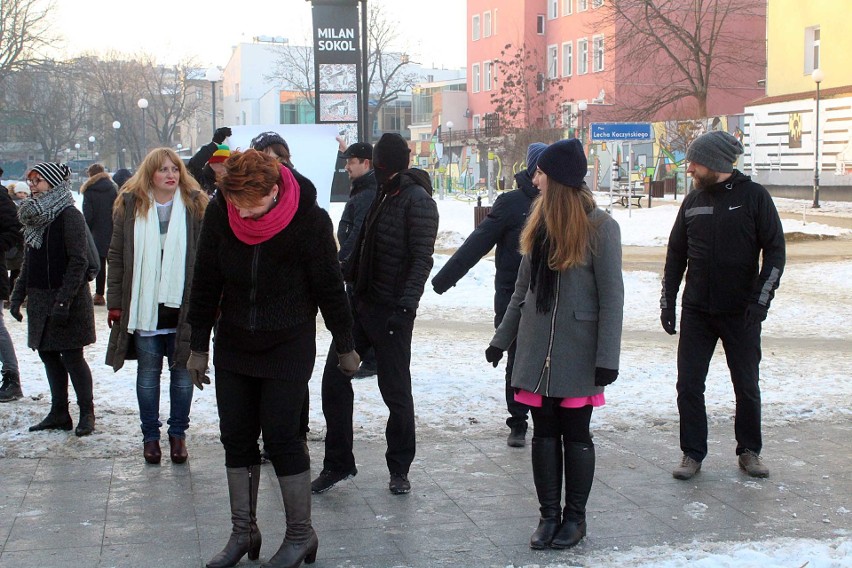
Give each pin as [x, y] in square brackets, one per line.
[254, 231]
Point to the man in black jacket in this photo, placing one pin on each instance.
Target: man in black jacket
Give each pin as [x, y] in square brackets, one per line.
[10, 238]
[387, 270]
[359, 166]
[198, 166]
[721, 230]
[502, 227]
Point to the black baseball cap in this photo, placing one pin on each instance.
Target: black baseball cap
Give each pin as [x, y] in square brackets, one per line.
[361, 150]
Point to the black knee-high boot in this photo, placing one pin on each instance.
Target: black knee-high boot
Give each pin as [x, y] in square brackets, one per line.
[300, 540]
[579, 475]
[57, 377]
[547, 474]
[243, 483]
[81, 378]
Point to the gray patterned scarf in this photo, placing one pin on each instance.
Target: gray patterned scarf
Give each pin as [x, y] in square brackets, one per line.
[36, 213]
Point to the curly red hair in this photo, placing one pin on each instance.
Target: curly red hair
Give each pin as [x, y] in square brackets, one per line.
[249, 177]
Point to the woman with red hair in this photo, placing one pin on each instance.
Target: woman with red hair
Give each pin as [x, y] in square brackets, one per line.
[267, 261]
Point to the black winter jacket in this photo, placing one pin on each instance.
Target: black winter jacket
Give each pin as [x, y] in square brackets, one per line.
[718, 237]
[361, 197]
[99, 193]
[395, 246]
[11, 238]
[502, 227]
[196, 167]
[270, 290]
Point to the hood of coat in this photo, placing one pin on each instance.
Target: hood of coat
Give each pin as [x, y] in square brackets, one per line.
[98, 182]
[415, 176]
[525, 184]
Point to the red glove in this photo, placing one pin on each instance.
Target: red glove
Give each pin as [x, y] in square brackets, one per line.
[113, 316]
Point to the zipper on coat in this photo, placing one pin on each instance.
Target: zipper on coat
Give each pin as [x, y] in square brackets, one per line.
[546, 367]
[253, 296]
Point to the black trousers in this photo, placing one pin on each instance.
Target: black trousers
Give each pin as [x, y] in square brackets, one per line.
[517, 411]
[100, 279]
[699, 333]
[393, 361]
[59, 365]
[250, 404]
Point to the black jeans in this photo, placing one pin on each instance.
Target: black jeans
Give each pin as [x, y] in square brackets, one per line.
[699, 333]
[59, 365]
[248, 404]
[393, 360]
[517, 411]
[571, 425]
[100, 280]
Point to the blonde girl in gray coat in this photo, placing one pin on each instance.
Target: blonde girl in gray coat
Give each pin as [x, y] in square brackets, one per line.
[565, 315]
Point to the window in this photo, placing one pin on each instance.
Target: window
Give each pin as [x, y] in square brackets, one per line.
[477, 122]
[567, 59]
[539, 24]
[582, 56]
[552, 9]
[597, 53]
[567, 7]
[582, 5]
[236, 92]
[539, 83]
[474, 77]
[567, 115]
[289, 113]
[812, 42]
[486, 24]
[474, 28]
[552, 54]
[488, 68]
[597, 3]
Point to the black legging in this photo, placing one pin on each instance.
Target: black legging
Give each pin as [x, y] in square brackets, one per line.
[554, 421]
[59, 365]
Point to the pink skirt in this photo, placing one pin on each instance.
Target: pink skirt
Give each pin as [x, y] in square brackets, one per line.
[533, 399]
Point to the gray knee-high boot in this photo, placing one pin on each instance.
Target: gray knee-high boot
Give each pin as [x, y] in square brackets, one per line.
[579, 475]
[300, 540]
[547, 474]
[243, 483]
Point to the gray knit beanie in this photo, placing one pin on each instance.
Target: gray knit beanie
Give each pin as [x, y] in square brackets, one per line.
[716, 150]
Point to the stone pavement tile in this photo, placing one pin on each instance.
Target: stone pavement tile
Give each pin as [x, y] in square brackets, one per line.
[625, 524]
[487, 558]
[696, 517]
[416, 508]
[168, 554]
[161, 500]
[459, 536]
[605, 498]
[59, 470]
[52, 558]
[380, 561]
[662, 492]
[18, 470]
[490, 507]
[72, 501]
[52, 531]
[508, 532]
[141, 531]
[135, 469]
[344, 544]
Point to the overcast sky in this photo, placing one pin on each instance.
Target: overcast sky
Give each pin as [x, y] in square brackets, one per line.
[170, 29]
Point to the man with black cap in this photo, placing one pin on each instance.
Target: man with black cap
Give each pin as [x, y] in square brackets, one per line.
[359, 167]
[502, 227]
[387, 270]
[724, 225]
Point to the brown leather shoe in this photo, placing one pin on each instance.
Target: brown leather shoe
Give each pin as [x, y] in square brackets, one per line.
[178, 449]
[152, 452]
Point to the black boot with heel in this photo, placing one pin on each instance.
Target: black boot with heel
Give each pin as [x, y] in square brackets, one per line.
[579, 475]
[547, 475]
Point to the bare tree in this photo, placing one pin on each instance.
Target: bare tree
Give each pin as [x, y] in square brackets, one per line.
[294, 68]
[24, 32]
[671, 54]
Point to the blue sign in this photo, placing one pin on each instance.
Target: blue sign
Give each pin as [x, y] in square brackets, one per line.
[621, 131]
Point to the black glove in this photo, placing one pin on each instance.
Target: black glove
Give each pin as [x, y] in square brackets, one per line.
[755, 313]
[667, 318]
[493, 355]
[220, 134]
[402, 318]
[440, 284]
[15, 310]
[60, 311]
[604, 377]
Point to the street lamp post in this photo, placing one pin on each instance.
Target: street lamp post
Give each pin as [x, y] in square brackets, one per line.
[214, 76]
[91, 145]
[818, 77]
[582, 106]
[118, 157]
[143, 104]
[77, 148]
[450, 157]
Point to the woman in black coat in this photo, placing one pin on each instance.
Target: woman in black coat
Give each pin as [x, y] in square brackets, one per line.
[60, 317]
[99, 193]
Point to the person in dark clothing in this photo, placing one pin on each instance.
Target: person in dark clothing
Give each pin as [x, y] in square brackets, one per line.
[60, 317]
[10, 239]
[359, 166]
[387, 270]
[502, 227]
[99, 193]
[121, 176]
[266, 262]
[724, 225]
[273, 144]
[198, 164]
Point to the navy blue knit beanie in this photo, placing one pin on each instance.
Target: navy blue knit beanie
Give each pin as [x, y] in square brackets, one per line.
[565, 162]
[533, 154]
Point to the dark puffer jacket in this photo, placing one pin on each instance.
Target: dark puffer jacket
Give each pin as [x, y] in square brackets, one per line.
[268, 291]
[502, 227]
[361, 197]
[395, 246]
[718, 238]
[99, 193]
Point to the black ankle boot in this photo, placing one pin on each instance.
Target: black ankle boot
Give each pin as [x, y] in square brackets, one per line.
[86, 424]
[579, 475]
[57, 419]
[547, 475]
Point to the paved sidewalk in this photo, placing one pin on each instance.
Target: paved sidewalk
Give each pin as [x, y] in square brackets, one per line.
[472, 504]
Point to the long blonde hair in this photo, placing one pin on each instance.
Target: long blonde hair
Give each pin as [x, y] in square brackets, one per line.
[142, 183]
[563, 212]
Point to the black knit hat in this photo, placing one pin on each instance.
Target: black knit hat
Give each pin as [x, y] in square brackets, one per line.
[53, 172]
[391, 153]
[716, 150]
[565, 162]
[264, 139]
